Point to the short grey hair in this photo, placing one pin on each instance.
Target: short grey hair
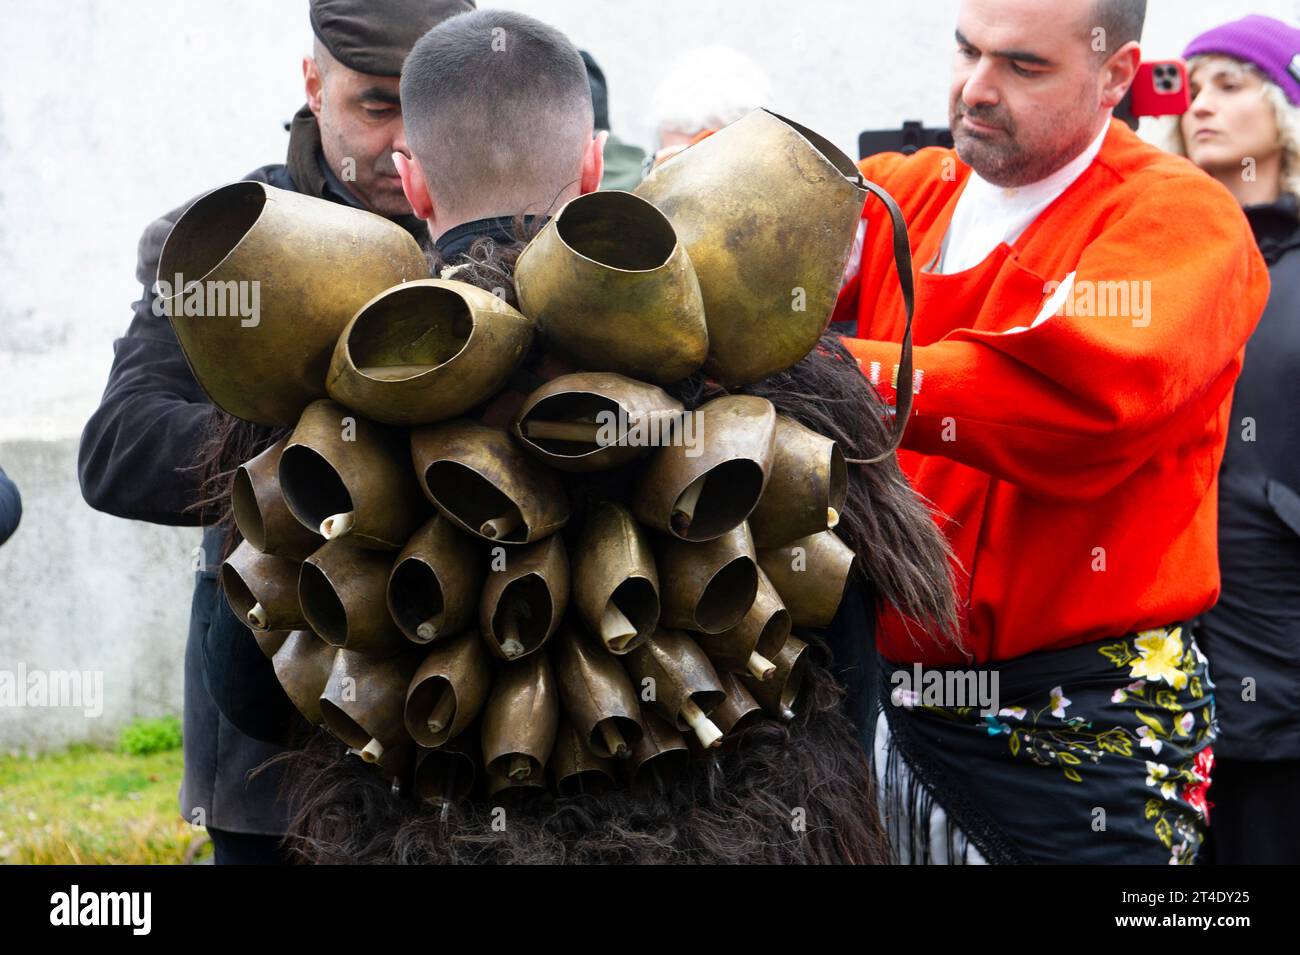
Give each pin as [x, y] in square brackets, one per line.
[1122, 20]
[498, 111]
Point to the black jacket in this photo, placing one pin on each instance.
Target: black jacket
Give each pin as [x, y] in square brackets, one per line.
[11, 507]
[133, 461]
[1253, 633]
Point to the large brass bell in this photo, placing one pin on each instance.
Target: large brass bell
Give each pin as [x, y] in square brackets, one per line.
[779, 693]
[524, 601]
[750, 646]
[302, 665]
[362, 703]
[341, 589]
[768, 210]
[447, 774]
[811, 575]
[738, 710]
[349, 477]
[434, 585]
[683, 684]
[448, 690]
[593, 421]
[426, 351]
[486, 484]
[261, 514]
[805, 489]
[596, 694]
[700, 489]
[615, 581]
[575, 768]
[302, 265]
[262, 589]
[661, 756]
[612, 289]
[520, 721]
[709, 586]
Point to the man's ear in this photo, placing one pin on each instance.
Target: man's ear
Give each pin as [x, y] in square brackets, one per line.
[593, 163]
[413, 184]
[315, 84]
[1119, 73]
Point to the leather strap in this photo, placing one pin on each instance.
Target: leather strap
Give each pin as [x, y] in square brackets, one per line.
[903, 266]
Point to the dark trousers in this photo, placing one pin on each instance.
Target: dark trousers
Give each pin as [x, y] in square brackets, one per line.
[1253, 815]
[242, 848]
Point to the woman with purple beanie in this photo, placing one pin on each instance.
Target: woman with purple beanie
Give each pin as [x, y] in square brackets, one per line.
[1243, 128]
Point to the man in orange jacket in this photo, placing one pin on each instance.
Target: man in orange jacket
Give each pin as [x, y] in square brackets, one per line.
[1083, 302]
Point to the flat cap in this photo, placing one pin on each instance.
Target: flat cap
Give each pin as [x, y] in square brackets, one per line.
[374, 36]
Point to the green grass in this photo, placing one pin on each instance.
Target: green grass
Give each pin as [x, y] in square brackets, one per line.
[88, 805]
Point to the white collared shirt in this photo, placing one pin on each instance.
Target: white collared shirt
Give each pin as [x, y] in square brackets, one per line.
[988, 215]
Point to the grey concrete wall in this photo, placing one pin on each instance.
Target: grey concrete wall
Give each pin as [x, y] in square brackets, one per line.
[81, 591]
[112, 113]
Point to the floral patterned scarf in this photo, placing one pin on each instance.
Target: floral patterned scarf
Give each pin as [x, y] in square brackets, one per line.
[1099, 753]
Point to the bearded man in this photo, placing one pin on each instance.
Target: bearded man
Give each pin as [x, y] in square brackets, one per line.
[1083, 302]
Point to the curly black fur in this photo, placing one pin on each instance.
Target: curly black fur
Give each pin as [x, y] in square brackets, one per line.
[741, 807]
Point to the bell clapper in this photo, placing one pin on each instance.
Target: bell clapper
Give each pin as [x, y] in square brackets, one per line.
[520, 769]
[501, 525]
[707, 731]
[614, 741]
[684, 510]
[760, 666]
[615, 629]
[443, 711]
[577, 432]
[426, 630]
[372, 751]
[832, 517]
[787, 713]
[511, 645]
[257, 617]
[336, 525]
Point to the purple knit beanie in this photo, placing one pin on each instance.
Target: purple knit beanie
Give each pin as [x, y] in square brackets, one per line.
[1269, 44]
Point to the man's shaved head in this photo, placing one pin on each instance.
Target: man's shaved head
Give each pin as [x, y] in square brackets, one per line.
[1121, 19]
[497, 108]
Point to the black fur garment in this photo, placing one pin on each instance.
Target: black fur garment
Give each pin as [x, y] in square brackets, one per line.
[776, 792]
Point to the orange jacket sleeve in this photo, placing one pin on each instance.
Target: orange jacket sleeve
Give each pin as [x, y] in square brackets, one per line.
[1071, 407]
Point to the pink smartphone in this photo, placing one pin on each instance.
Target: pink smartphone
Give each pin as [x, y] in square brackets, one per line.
[1160, 89]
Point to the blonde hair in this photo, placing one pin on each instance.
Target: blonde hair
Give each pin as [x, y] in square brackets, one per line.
[1168, 130]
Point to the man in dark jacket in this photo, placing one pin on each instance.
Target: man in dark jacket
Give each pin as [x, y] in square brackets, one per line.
[153, 417]
[11, 507]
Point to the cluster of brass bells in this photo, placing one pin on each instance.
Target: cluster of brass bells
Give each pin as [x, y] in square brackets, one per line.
[423, 597]
[417, 575]
[728, 257]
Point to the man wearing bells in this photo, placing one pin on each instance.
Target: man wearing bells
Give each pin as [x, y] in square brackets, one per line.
[140, 449]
